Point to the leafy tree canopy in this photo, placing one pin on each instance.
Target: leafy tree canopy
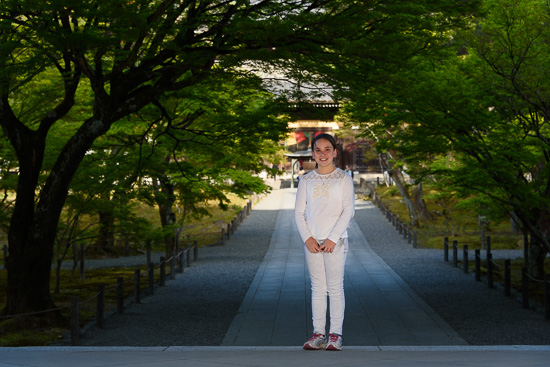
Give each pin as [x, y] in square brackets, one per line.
[474, 115]
[70, 72]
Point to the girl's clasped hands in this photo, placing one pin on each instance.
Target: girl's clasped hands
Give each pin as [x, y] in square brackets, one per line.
[313, 246]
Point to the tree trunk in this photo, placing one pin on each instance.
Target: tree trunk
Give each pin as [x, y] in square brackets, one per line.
[165, 198]
[33, 227]
[168, 217]
[423, 213]
[539, 246]
[106, 239]
[537, 254]
[397, 176]
[28, 283]
[30, 241]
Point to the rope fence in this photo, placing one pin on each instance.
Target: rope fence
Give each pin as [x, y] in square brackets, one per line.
[406, 231]
[491, 267]
[156, 276]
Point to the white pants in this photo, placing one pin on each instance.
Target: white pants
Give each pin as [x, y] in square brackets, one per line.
[326, 271]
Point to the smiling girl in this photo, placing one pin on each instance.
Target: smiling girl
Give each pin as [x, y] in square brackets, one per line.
[323, 210]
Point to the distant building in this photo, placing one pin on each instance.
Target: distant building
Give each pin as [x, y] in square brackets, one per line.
[315, 118]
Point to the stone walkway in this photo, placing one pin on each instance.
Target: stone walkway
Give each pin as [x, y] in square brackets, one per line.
[387, 324]
[380, 308]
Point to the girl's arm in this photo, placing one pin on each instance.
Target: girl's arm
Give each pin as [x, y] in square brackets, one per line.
[300, 211]
[348, 210]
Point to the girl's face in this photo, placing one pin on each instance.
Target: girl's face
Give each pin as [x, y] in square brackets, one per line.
[324, 154]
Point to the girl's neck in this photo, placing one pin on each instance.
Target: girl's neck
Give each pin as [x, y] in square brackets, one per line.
[325, 170]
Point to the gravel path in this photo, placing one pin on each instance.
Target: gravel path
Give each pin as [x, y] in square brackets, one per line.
[210, 291]
[482, 316]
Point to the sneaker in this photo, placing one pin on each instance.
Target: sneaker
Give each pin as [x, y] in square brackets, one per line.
[317, 341]
[334, 342]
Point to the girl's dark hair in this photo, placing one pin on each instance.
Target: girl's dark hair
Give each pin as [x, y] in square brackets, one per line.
[328, 137]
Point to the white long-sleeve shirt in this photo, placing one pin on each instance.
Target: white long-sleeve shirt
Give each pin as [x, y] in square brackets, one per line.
[325, 205]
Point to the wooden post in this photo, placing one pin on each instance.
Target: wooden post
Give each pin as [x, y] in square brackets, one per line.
[228, 230]
[465, 259]
[151, 279]
[75, 323]
[100, 310]
[195, 250]
[488, 245]
[507, 277]
[137, 286]
[180, 260]
[149, 245]
[446, 250]
[162, 281]
[490, 270]
[223, 237]
[120, 295]
[173, 267]
[478, 265]
[524, 288]
[455, 253]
